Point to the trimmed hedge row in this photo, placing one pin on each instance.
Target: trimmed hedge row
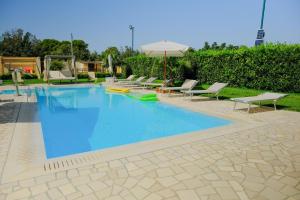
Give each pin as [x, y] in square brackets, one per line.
[273, 67]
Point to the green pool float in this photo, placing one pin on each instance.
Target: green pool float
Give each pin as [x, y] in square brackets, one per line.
[144, 97]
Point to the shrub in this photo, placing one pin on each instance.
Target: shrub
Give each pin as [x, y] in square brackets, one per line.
[82, 76]
[29, 76]
[6, 77]
[271, 67]
[102, 75]
[56, 65]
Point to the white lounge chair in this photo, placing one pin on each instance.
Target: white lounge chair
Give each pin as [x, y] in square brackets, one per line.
[135, 82]
[262, 97]
[58, 76]
[129, 78]
[163, 84]
[92, 76]
[187, 85]
[213, 89]
[142, 84]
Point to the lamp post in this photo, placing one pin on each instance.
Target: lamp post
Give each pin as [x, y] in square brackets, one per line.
[261, 33]
[132, 36]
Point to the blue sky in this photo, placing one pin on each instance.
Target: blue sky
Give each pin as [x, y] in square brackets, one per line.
[192, 22]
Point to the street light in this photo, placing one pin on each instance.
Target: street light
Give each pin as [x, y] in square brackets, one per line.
[261, 33]
[132, 36]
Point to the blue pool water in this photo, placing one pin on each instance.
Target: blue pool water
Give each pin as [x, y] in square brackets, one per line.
[76, 120]
[12, 91]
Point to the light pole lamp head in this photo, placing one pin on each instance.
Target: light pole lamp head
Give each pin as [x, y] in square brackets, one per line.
[131, 27]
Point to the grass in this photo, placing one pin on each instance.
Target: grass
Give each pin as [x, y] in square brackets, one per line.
[291, 102]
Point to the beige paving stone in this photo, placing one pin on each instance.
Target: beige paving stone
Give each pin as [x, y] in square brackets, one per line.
[153, 197]
[167, 181]
[114, 198]
[130, 182]
[37, 189]
[211, 176]
[116, 189]
[23, 193]
[27, 182]
[88, 197]
[193, 183]
[103, 193]
[44, 179]
[72, 173]
[80, 180]
[139, 192]
[242, 195]
[205, 191]
[289, 181]
[42, 196]
[255, 187]
[147, 182]
[163, 172]
[115, 164]
[131, 166]
[166, 193]
[187, 194]
[227, 193]
[84, 189]
[289, 190]
[74, 195]
[183, 176]
[54, 193]
[97, 185]
[67, 189]
[236, 186]
[58, 182]
[272, 194]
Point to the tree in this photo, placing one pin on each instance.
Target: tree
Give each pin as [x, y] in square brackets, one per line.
[206, 46]
[56, 65]
[214, 45]
[115, 55]
[16, 43]
[47, 47]
[223, 46]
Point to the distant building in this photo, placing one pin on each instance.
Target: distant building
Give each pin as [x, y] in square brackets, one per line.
[93, 66]
[30, 65]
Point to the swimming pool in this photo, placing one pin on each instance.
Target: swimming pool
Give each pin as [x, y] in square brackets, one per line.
[13, 91]
[81, 119]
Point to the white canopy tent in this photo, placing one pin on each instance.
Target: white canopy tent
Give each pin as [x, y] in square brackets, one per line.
[164, 48]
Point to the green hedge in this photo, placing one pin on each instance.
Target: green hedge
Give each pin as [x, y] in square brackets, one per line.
[271, 67]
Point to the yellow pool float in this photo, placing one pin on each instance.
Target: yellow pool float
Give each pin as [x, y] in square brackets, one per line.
[117, 90]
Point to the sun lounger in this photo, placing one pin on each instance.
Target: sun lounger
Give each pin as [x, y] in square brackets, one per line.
[268, 96]
[164, 84]
[137, 81]
[141, 84]
[92, 76]
[59, 76]
[213, 89]
[187, 85]
[129, 78]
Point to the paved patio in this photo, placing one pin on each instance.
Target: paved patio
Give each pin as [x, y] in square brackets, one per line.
[262, 163]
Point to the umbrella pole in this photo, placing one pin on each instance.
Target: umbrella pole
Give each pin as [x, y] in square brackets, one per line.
[165, 69]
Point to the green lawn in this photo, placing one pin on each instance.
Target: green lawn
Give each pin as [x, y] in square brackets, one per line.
[291, 102]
